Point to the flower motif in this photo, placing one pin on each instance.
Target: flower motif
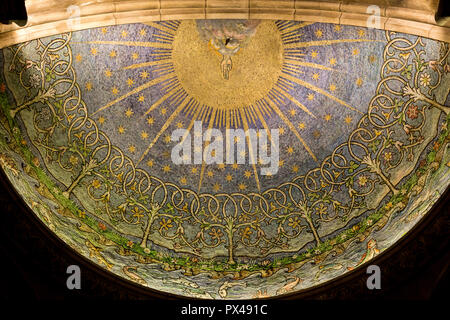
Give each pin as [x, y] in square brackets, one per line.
[265, 262]
[294, 222]
[362, 181]
[102, 226]
[73, 160]
[246, 233]
[424, 79]
[137, 213]
[2, 87]
[35, 80]
[166, 224]
[321, 210]
[130, 243]
[216, 233]
[96, 183]
[412, 112]
[388, 156]
[436, 145]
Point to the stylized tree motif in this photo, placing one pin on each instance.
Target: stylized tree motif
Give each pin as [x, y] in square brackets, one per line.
[385, 137]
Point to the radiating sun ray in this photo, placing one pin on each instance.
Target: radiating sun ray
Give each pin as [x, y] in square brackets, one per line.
[160, 27]
[319, 90]
[290, 125]
[250, 151]
[137, 90]
[310, 65]
[130, 43]
[286, 95]
[172, 90]
[290, 26]
[164, 127]
[326, 43]
[208, 137]
[146, 64]
[164, 76]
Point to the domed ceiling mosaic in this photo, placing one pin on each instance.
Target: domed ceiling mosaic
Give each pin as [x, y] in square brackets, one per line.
[346, 148]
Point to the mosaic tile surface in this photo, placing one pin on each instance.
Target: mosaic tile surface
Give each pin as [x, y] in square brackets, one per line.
[362, 116]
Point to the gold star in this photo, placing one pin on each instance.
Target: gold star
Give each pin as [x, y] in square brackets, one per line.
[281, 130]
[132, 149]
[121, 129]
[216, 187]
[221, 166]
[372, 58]
[150, 163]
[332, 87]
[242, 186]
[194, 170]
[210, 173]
[108, 73]
[124, 34]
[94, 51]
[292, 112]
[301, 125]
[361, 33]
[89, 86]
[150, 120]
[319, 33]
[290, 150]
[163, 111]
[359, 82]
[295, 168]
[332, 61]
[314, 54]
[101, 120]
[315, 76]
[316, 133]
[167, 139]
[114, 91]
[355, 51]
[337, 28]
[78, 57]
[104, 30]
[141, 98]
[144, 135]
[166, 168]
[144, 74]
[180, 125]
[142, 32]
[327, 117]
[130, 82]
[310, 96]
[235, 166]
[229, 177]
[247, 174]
[348, 119]
[183, 180]
[134, 56]
[113, 54]
[129, 113]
